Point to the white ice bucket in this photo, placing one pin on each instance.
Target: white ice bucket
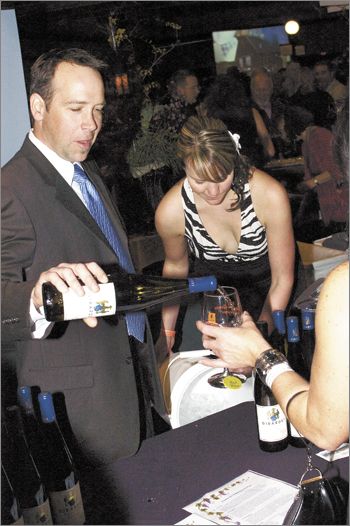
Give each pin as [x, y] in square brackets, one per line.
[188, 394]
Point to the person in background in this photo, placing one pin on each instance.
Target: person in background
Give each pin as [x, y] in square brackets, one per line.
[292, 80]
[325, 81]
[318, 409]
[322, 175]
[270, 107]
[183, 90]
[278, 78]
[233, 219]
[106, 372]
[306, 86]
[228, 101]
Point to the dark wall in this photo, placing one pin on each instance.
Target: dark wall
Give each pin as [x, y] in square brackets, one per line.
[43, 25]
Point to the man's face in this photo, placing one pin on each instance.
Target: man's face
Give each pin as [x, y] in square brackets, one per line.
[73, 119]
[261, 88]
[189, 90]
[323, 76]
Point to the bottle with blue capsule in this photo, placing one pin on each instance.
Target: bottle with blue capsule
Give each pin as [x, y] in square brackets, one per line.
[296, 361]
[32, 429]
[123, 292]
[63, 479]
[278, 336]
[308, 336]
[295, 354]
[27, 482]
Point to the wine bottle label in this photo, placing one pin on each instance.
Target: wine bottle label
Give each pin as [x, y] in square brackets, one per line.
[67, 506]
[272, 423]
[37, 515]
[101, 303]
[294, 432]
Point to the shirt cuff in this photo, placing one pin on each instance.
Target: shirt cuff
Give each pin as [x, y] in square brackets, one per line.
[40, 325]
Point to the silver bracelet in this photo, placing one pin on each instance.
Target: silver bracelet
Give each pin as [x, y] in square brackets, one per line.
[270, 359]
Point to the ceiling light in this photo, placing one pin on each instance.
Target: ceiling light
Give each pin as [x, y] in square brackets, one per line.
[291, 27]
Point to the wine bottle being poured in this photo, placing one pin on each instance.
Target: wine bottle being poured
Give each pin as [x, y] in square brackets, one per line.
[123, 292]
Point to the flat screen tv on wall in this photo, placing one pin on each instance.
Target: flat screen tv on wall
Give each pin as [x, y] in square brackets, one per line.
[248, 49]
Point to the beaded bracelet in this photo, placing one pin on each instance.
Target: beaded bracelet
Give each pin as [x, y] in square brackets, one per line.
[169, 332]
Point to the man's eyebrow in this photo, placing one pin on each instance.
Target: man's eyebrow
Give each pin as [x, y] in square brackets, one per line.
[80, 102]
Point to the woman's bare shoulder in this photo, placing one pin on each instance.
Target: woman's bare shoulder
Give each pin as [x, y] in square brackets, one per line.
[265, 188]
[338, 279]
[169, 213]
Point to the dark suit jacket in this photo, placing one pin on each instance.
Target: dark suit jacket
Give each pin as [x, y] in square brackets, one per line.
[44, 223]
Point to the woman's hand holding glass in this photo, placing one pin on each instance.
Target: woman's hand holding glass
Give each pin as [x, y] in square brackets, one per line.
[223, 309]
[237, 348]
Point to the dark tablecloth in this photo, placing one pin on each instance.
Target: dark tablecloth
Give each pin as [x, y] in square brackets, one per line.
[173, 469]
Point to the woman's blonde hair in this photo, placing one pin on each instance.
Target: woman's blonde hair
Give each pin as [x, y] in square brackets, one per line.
[206, 146]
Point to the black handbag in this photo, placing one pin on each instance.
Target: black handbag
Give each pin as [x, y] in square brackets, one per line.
[319, 500]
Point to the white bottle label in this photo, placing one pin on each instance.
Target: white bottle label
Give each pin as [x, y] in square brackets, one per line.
[67, 506]
[101, 303]
[38, 515]
[272, 423]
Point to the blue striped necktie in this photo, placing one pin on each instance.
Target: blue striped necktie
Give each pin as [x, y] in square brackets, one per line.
[135, 321]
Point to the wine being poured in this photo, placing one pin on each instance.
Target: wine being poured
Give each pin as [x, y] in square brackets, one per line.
[223, 307]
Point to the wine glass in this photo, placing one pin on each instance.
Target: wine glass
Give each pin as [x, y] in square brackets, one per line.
[223, 307]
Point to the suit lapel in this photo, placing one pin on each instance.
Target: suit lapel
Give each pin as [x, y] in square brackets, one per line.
[66, 195]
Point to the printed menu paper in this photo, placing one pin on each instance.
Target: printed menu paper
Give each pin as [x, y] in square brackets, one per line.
[195, 520]
[249, 499]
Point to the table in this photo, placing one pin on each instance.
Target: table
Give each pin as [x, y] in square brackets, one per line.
[289, 166]
[173, 469]
[318, 261]
[289, 171]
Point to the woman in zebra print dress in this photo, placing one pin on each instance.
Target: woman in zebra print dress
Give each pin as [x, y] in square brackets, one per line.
[231, 219]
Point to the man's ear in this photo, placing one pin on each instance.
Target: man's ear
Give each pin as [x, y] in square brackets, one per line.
[37, 107]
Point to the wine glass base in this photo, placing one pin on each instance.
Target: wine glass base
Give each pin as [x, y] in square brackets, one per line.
[227, 380]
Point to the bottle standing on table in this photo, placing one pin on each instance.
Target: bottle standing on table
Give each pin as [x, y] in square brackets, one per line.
[271, 421]
[64, 487]
[295, 353]
[11, 512]
[296, 361]
[278, 336]
[32, 429]
[27, 483]
[308, 336]
[123, 292]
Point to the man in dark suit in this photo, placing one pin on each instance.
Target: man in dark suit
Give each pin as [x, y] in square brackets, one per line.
[108, 378]
[270, 107]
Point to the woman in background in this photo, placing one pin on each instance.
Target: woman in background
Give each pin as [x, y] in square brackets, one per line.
[313, 124]
[233, 219]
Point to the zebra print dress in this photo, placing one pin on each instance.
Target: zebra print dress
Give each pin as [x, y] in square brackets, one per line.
[252, 244]
[248, 269]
